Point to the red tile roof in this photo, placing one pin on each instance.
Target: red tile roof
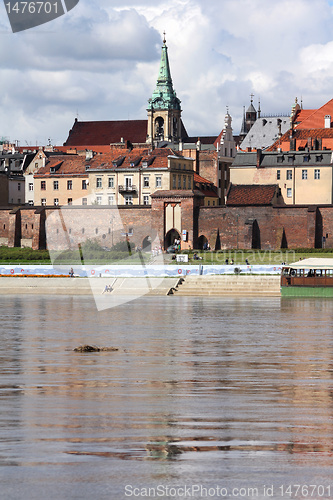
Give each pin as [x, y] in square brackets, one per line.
[198, 178]
[70, 165]
[302, 136]
[107, 132]
[156, 158]
[316, 119]
[254, 194]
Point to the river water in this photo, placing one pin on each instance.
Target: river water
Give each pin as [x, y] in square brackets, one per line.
[204, 398]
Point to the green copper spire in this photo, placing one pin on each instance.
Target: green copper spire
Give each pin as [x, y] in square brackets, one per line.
[164, 97]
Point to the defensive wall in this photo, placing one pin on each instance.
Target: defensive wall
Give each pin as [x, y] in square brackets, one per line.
[224, 227]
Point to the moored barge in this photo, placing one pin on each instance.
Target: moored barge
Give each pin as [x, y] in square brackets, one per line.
[308, 278]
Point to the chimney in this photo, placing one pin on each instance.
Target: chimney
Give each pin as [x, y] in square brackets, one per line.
[327, 121]
[258, 157]
[89, 155]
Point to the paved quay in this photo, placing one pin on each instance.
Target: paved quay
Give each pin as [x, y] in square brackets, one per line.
[209, 285]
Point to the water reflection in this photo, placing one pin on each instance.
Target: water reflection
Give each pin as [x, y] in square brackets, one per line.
[233, 390]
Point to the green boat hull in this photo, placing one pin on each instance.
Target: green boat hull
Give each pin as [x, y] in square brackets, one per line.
[306, 291]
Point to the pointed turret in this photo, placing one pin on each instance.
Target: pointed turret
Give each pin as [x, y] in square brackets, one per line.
[243, 131]
[164, 106]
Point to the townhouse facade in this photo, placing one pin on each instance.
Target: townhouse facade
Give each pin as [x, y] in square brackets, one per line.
[303, 177]
[131, 179]
[62, 181]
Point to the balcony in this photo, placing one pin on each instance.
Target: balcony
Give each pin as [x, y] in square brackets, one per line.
[127, 189]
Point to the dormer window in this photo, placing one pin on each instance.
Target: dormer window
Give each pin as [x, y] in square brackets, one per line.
[306, 158]
[280, 159]
[144, 164]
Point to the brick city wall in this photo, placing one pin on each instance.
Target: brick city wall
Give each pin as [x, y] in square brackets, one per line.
[262, 227]
[224, 227]
[69, 226]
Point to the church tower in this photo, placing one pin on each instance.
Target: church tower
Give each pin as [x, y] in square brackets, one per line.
[164, 112]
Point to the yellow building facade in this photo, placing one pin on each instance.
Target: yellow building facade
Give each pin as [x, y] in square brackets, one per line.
[304, 177]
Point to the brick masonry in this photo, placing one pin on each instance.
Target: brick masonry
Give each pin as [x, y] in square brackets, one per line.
[264, 227]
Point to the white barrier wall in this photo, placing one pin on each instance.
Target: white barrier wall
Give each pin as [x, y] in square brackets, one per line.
[134, 270]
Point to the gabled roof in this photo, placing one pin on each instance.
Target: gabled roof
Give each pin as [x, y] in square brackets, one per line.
[253, 194]
[316, 119]
[107, 132]
[302, 136]
[66, 165]
[205, 186]
[265, 130]
[123, 159]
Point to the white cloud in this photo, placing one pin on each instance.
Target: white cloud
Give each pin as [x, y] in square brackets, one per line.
[101, 61]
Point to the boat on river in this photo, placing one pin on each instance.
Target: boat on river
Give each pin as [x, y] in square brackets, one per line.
[308, 278]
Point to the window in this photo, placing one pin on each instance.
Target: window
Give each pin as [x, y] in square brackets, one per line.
[84, 201]
[158, 181]
[19, 200]
[146, 199]
[43, 202]
[304, 174]
[174, 181]
[128, 183]
[289, 193]
[289, 175]
[69, 185]
[278, 174]
[189, 184]
[98, 182]
[111, 199]
[128, 199]
[179, 182]
[319, 158]
[31, 203]
[280, 159]
[31, 186]
[84, 183]
[69, 201]
[306, 158]
[184, 182]
[43, 185]
[19, 186]
[98, 200]
[146, 182]
[290, 159]
[56, 202]
[55, 185]
[317, 173]
[111, 182]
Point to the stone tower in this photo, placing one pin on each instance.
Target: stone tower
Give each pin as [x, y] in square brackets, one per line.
[164, 112]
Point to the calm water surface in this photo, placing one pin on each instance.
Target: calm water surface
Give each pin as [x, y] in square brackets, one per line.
[215, 393]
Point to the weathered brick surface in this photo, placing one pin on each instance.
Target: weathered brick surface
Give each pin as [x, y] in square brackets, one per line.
[235, 227]
[325, 226]
[69, 226]
[248, 227]
[4, 222]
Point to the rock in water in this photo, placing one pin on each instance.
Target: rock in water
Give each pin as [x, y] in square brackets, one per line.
[92, 348]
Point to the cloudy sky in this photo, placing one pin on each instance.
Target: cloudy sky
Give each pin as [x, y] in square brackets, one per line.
[100, 62]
